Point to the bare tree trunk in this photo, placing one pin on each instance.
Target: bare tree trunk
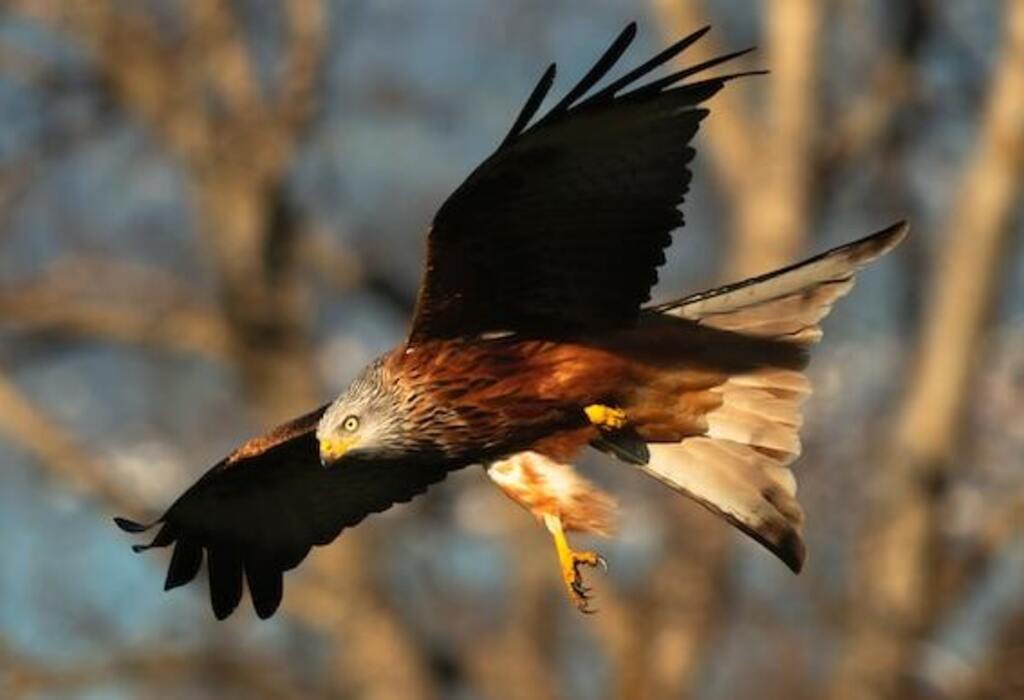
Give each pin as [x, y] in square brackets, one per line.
[773, 207]
[763, 164]
[254, 253]
[892, 601]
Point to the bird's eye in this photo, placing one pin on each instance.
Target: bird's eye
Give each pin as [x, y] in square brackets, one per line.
[350, 424]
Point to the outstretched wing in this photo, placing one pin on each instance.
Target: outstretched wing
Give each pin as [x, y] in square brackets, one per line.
[563, 227]
[258, 512]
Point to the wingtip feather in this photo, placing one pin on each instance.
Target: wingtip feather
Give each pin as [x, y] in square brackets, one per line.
[792, 551]
[266, 588]
[661, 84]
[532, 104]
[880, 243]
[130, 526]
[598, 71]
[185, 563]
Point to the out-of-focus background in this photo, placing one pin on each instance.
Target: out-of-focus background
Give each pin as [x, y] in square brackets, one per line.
[212, 215]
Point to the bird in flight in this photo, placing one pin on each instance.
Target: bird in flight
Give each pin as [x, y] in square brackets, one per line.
[532, 340]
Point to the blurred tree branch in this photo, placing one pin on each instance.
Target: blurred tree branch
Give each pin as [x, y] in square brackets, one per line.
[133, 304]
[25, 677]
[893, 598]
[142, 307]
[58, 449]
[862, 125]
[962, 655]
[199, 95]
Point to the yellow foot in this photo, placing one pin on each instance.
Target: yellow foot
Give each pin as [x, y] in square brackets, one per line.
[605, 416]
[571, 561]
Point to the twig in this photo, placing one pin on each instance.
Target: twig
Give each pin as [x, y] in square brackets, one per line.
[58, 449]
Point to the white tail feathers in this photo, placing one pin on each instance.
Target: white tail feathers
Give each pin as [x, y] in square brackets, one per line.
[757, 416]
[778, 382]
[749, 489]
[794, 317]
[787, 304]
[739, 468]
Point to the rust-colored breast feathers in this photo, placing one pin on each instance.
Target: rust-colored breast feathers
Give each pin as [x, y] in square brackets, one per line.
[509, 393]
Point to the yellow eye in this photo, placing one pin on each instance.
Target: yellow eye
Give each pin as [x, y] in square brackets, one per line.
[350, 424]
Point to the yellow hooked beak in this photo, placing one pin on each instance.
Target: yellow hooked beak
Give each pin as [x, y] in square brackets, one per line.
[333, 450]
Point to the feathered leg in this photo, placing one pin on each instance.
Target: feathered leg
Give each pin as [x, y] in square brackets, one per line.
[566, 502]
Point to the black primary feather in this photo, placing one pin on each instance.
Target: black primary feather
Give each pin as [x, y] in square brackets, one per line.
[266, 586]
[257, 514]
[604, 64]
[640, 71]
[225, 567]
[657, 86]
[163, 538]
[131, 526]
[533, 103]
[185, 563]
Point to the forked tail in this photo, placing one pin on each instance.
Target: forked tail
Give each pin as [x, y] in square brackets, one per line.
[728, 432]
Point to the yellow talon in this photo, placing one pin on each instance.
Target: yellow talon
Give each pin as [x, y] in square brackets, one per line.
[605, 416]
[570, 562]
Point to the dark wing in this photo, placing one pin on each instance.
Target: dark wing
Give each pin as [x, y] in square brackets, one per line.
[564, 226]
[258, 512]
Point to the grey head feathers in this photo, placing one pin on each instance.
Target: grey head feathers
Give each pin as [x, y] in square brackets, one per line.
[369, 410]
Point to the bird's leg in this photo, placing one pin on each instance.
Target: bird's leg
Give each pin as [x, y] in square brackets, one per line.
[571, 561]
[606, 416]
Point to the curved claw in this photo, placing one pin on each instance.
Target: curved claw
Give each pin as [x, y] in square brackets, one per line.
[580, 593]
[581, 590]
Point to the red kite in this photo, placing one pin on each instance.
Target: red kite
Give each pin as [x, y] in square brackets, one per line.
[531, 341]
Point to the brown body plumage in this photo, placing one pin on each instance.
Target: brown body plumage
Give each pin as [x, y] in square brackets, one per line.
[530, 341]
[505, 394]
[509, 394]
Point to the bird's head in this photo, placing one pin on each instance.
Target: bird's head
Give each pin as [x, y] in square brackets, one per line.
[365, 420]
